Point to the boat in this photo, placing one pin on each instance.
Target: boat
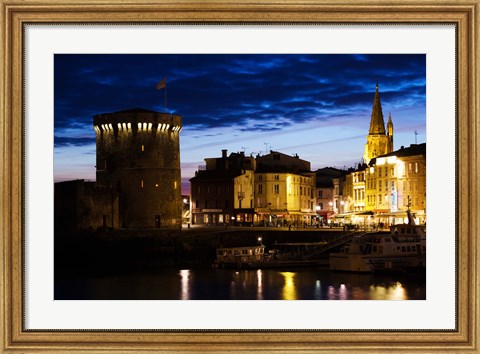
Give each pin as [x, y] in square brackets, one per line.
[400, 250]
[283, 255]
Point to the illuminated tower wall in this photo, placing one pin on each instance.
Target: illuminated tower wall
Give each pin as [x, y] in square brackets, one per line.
[138, 154]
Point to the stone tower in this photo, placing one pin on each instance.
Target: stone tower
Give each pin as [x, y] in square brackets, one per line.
[379, 141]
[138, 154]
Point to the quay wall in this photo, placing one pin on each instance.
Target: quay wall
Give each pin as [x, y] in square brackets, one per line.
[123, 251]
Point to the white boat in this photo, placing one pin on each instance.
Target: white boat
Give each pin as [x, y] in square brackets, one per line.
[402, 249]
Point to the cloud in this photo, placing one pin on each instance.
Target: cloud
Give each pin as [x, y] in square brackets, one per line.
[224, 90]
[61, 141]
[220, 96]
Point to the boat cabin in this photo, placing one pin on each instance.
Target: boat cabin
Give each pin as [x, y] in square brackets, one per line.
[245, 254]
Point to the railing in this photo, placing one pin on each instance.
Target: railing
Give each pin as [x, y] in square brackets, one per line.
[334, 243]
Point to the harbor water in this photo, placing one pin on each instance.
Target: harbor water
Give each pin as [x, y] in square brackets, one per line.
[229, 284]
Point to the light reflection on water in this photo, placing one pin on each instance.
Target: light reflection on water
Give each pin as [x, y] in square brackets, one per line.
[185, 274]
[225, 284]
[289, 291]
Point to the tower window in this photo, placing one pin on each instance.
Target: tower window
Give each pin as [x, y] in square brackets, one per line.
[143, 147]
[175, 185]
[141, 183]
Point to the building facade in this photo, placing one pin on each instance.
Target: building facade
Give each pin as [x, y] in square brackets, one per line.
[284, 198]
[325, 193]
[275, 189]
[396, 182]
[222, 191]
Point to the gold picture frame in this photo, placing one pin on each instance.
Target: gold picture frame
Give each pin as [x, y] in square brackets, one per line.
[464, 14]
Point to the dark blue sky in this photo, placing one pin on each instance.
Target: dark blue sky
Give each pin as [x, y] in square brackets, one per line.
[315, 105]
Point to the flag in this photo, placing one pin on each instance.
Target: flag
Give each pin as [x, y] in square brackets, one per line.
[161, 84]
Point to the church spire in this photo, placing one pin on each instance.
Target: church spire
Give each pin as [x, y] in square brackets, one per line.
[377, 125]
[390, 125]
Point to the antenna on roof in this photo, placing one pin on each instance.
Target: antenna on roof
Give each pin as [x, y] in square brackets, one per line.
[244, 148]
[416, 133]
[266, 147]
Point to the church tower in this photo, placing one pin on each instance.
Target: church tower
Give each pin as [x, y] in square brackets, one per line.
[379, 141]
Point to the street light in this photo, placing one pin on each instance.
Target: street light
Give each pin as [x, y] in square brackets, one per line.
[317, 208]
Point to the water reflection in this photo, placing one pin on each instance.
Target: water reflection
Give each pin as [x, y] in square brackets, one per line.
[343, 292]
[318, 289]
[185, 290]
[227, 284]
[393, 292]
[289, 291]
[259, 285]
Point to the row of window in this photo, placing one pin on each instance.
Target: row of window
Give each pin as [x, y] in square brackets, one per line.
[217, 204]
[413, 168]
[276, 190]
[211, 189]
[387, 199]
[296, 179]
[408, 186]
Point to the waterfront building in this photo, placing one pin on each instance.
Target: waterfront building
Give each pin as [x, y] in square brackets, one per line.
[357, 195]
[284, 198]
[138, 155]
[379, 140]
[274, 189]
[339, 198]
[284, 190]
[324, 192]
[222, 190]
[396, 182]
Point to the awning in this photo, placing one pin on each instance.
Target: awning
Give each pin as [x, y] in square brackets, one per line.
[360, 213]
[343, 216]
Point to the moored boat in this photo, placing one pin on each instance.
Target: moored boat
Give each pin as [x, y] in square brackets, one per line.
[402, 249]
[258, 257]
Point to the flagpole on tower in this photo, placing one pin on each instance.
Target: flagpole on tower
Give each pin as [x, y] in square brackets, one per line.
[162, 84]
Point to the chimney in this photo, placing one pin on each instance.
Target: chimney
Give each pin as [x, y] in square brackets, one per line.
[224, 153]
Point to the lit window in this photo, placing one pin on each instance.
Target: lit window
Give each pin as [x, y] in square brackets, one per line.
[143, 148]
[175, 185]
[141, 183]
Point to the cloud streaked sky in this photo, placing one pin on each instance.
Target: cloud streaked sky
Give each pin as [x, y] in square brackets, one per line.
[316, 106]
